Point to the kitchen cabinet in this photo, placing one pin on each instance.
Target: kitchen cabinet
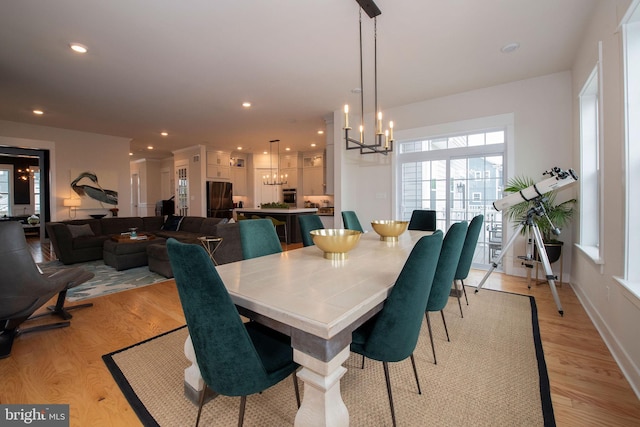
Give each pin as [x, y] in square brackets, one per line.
[292, 177]
[218, 165]
[313, 174]
[327, 221]
[239, 176]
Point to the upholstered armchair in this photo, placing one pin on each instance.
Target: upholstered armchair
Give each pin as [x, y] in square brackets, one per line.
[24, 289]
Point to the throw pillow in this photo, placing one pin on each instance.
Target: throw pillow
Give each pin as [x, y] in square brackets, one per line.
[80, 230]
[224, 221]
[232, 221]
[172, 223]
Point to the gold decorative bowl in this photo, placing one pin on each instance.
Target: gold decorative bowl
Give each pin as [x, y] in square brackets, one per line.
[334, 242]
[389, 230]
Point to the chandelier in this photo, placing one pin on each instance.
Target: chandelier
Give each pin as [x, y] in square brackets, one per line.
[274, 178]
[382, 140]
[25, 174]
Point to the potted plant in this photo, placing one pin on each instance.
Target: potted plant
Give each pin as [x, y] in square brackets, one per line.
[560, 214]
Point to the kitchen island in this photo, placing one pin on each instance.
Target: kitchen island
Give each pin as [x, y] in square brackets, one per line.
[289, 216]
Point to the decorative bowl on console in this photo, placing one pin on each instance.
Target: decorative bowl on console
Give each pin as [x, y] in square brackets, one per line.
[389, 230]
[335, 242]
[97, 216]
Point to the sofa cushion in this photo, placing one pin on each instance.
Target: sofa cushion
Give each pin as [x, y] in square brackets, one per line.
[172, 223]
[80, 230]
[117, 225]
[152, 223]
[191, 224]
[208, 227]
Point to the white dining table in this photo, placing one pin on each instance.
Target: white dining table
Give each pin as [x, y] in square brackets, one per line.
[318, 303]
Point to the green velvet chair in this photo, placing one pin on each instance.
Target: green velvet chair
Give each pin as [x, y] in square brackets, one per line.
[466, 258]
[309, 223]
[235, 358]
[258, 237]
[392, 334]
[351, 221]
[424, 220]
[447, 265]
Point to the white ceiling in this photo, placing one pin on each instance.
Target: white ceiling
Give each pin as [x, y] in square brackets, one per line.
[185, 67]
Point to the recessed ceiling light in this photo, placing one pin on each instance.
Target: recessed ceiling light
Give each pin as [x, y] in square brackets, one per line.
[265, 152]
[130, 153]
[313, 144]
[78, 48]
[356, 90]
[287, 149]
[510, 47]
[320, 132]
[164, 133]
[38, 112]
[149, 147]
[239, 148]
[246, 104]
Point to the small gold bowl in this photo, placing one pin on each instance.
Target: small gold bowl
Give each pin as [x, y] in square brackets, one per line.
[335, 242]
[389, 230]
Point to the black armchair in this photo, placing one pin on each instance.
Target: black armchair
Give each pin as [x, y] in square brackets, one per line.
[24, 289]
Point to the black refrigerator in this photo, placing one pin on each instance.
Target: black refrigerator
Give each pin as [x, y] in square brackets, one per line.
[219, 199]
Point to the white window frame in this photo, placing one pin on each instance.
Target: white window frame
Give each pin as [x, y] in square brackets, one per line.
[630, 28]
[591, 133]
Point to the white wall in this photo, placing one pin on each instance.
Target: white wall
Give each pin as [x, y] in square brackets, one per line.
[615, 315]
[73, 150]
[541, 108]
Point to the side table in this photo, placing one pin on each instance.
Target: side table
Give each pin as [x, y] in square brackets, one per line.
[211, 244]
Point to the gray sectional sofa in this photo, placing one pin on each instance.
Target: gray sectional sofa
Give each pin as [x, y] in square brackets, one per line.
[84, 239]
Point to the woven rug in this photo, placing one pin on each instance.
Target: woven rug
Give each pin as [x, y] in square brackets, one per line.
[492, 373]
[107, 280]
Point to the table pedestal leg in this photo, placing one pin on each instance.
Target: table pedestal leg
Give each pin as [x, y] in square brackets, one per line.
[322, 405]
[193, 382]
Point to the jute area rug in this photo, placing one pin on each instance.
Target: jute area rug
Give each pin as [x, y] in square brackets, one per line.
[107, 280]
[492, 373]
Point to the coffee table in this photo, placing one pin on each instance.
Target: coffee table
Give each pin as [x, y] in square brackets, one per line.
[122, 252]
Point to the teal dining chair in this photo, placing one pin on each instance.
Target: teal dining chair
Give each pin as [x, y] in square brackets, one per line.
[309, 223]
[235, 358]
[392, 334]
[351, 221]
[258, 237]
[447, 264]
[424, 220]
[466, 258]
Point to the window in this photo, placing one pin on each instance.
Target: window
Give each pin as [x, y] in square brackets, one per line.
[36, 190]
[590, 165]
[6, 172]
[458, 176]
[631, 54]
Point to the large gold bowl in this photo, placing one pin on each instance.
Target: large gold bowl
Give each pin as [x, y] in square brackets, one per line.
[389, 230]
[335, 242]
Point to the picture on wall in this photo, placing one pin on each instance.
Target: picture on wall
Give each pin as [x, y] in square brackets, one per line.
[95, 188]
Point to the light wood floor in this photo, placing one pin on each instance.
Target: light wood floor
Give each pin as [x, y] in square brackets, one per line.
[65, 365]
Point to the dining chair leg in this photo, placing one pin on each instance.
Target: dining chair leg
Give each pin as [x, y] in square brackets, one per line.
[200, 403]
[296, 388]
[455, 289]
[415, 372]
[362, 367]
[464, 290]
[445, 325]
[433, 347]
[385, 365]
[243, 404]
